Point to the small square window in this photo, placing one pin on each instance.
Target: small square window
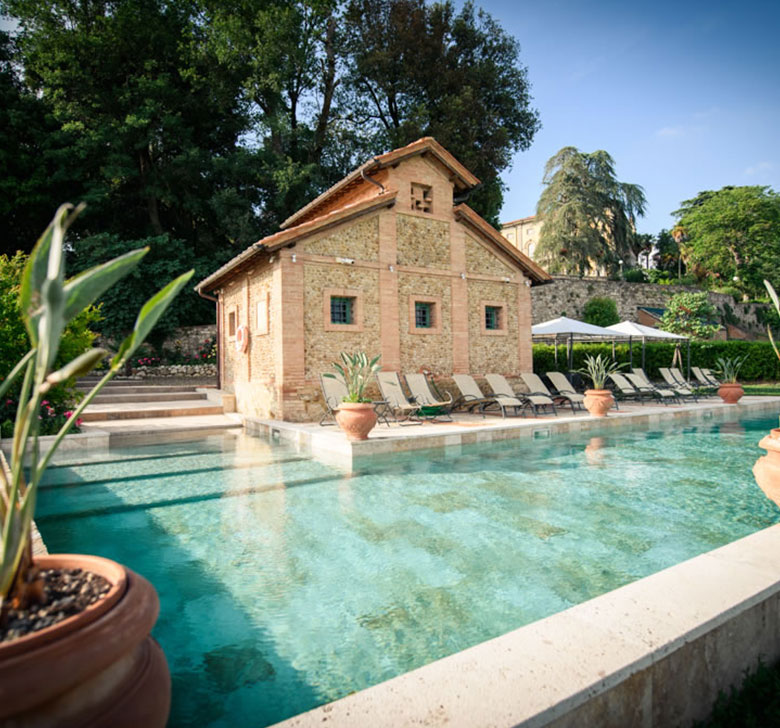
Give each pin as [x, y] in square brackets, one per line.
[422, 198]
[492, 318]
[342, 310]
[423, 315]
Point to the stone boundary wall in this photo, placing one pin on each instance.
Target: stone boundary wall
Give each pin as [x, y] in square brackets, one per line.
[191, 338]
[568, 295]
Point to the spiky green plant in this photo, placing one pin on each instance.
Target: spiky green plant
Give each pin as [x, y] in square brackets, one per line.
[47, 303]
[773, 295]
[356, 370]
[598, 368]
[727, 368]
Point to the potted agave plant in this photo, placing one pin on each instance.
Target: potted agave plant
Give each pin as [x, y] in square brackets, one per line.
[767, 468]
[356, 415]
[75, 647]
[598, 401]
[727, 369]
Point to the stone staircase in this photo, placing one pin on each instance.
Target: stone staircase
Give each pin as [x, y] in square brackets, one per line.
[125, 408]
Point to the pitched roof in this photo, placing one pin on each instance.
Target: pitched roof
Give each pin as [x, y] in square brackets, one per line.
[517, 222]
[536, 273]
[427, 145]
[285, 237]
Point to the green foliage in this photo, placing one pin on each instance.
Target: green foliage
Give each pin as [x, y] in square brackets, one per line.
[776, 303]
[165, 258]
[598, 368]
[417, 69]
[753, 704]
[732, 236]
[356, 371]
[589, 216]
[761, 365]
[47, 303]
[635, 275]
[690, 314]
[600, 311]
[727, 367]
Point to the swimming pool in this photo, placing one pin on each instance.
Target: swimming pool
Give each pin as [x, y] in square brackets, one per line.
[285, 584]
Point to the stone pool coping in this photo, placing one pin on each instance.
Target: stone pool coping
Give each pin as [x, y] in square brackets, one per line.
[330, 445]
[652, 653]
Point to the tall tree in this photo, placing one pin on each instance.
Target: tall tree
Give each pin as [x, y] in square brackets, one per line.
[415, 69]
[588, 215]
[732, 237]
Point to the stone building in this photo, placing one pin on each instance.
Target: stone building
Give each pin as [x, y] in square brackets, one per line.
[387, 261]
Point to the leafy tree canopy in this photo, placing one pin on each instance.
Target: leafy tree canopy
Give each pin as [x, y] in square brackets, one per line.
[732, 237]
[601, 311]
[211, 121]
[690, 314]
[589, 216]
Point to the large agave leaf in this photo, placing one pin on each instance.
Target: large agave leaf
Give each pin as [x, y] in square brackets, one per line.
[148, 317]
[86, 287]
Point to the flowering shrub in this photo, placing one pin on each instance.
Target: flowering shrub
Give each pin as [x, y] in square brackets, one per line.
[149, 361]
[51, 417]
[206, 354]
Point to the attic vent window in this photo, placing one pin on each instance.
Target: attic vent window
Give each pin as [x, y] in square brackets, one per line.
[422, 198]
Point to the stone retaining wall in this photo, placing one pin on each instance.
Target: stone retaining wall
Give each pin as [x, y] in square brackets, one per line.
[175, 370]
[568, 295]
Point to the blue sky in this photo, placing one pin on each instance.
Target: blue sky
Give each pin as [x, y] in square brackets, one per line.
[685, 96]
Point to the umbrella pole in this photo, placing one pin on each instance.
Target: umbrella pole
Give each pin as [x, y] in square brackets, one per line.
[689, 360]
[571, 351]
[643, 353]
[630, 352]
[556, 350]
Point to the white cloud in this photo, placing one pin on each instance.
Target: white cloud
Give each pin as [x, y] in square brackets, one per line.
[759, 168]
[670, 131]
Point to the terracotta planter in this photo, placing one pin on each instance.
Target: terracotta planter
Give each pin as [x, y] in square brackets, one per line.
[598, 401]
[767, 468]
[730, 392]
[99, 668]
[357, 419]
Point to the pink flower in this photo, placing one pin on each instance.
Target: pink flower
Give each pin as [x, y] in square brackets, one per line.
[45, 402]
[78, 422]
[68, 413]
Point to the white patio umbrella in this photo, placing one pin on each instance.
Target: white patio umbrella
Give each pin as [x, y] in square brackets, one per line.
[639, 331]
[572, 330]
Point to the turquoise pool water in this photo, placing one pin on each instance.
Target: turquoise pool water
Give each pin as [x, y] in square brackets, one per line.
[285, 584]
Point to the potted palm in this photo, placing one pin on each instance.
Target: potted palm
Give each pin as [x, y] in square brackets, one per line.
[727, 369]
[74, 630]
[356, 415]
[767, 468]
[599, 400]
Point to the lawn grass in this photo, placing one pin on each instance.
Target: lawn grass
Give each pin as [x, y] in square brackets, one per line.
[754, 704]
[766, 388]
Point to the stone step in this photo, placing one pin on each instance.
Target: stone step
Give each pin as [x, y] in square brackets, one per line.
[145, 410]
[120, 397]
[159, 429]
[148, 389]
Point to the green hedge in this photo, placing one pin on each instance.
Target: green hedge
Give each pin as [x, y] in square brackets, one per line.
[761, 365]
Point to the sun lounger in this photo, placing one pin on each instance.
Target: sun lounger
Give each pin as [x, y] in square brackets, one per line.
[681, 390]
[662, 395]
[398, 405]
[471, 396]
[501, 388]
[625, 390]
[707, 373]
[705, 384]
[565, 388]
[642, 376]
[536, 386]
[422, 395]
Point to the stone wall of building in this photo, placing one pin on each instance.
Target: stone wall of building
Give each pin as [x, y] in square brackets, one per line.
[423, 243]
[478, 260]
[567, 296]
[492, 352]
[432, 351]
[360, 240]
[322, 347]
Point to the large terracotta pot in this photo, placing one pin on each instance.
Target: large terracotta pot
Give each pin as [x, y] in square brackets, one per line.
[731, 392]
[99, 668]
[767, 468]
[598, 401]
[357, 419]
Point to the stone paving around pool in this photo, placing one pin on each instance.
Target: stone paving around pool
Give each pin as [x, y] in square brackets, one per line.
[329, 444]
